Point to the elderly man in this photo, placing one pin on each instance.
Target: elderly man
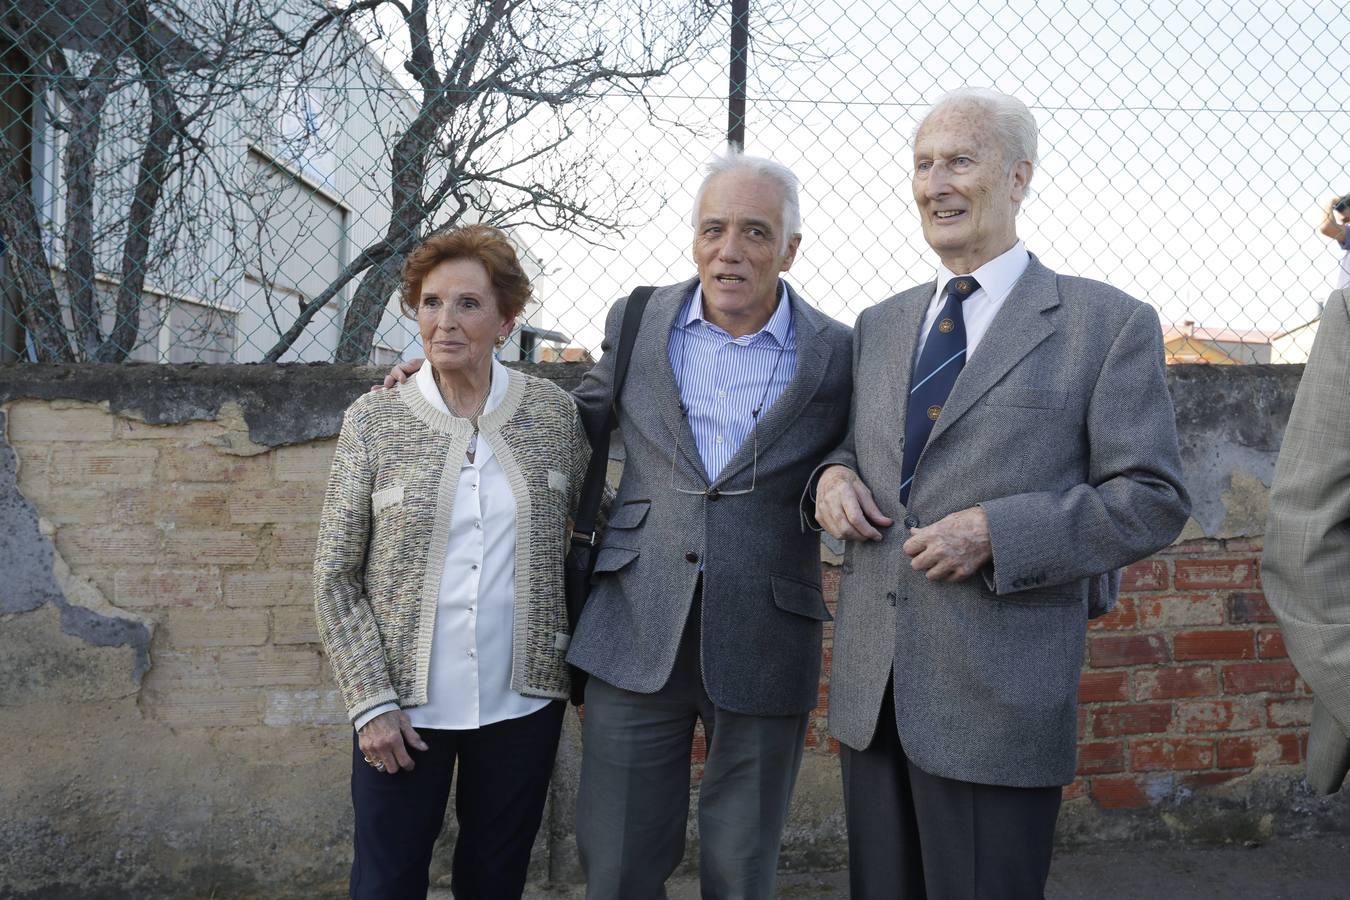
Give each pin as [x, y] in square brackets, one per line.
[706, 603]
[1306, 567]
[1011, 446]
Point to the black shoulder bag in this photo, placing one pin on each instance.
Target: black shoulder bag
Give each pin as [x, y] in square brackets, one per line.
[580, 561]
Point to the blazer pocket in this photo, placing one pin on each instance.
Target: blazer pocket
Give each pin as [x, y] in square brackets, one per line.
[1036, 598]
[1028, 398]
[612, 559]
[799, 597]
[818, 409]
[630, 515]
[386, 497]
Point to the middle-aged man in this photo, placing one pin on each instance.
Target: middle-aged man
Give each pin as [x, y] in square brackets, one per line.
[1012, 445]
[706, 602]
[1306, 568]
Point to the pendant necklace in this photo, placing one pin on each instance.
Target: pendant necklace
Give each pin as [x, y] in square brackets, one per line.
[473, 419]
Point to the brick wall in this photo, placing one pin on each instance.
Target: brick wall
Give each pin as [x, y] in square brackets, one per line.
[169, 664]
[211, 547]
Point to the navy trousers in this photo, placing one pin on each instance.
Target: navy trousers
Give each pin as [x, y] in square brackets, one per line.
[504, 771]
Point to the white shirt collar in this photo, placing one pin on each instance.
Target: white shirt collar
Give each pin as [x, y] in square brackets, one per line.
[426, 383]
[996, 277]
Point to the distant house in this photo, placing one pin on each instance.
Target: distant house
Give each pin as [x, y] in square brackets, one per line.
[1193, 343]
[1294, 345]
[299, 188]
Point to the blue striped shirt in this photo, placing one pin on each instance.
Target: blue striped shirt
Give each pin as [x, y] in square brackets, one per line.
[722, 378]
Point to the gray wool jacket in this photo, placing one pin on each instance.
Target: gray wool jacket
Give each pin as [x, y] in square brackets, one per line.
[762, 608]
[1062, 429]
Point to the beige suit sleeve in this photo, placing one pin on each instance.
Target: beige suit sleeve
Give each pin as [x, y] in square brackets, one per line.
[1306, 570]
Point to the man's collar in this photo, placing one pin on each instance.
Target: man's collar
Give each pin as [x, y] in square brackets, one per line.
[997, 276]
[779, 324]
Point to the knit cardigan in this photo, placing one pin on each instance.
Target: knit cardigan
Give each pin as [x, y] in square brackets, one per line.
[385, 524]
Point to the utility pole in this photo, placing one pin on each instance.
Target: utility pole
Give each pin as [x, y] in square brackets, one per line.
[740, 52]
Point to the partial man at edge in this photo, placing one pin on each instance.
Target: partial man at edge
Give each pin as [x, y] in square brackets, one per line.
[1306, 566]
[1012, 445]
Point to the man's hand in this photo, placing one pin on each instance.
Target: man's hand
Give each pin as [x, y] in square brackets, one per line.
[845, 508]
[400, 373]
[952, 549]
[386, 738]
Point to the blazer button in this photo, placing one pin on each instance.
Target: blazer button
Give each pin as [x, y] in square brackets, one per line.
[890, 595]
[714, 493]
[911, 521]
[691, 556]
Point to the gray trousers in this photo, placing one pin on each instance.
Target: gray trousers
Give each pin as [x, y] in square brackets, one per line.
[633, 799]
[917, 836]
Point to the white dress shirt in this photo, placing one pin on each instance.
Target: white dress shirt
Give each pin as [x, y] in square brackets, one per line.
[996, 279]
[469, 679]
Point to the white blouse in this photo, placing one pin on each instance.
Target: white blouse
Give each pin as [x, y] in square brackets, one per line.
[469, 680]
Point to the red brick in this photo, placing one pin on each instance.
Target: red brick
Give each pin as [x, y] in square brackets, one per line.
[1293, 746]
[1204, 715]
[1128, 650]
[1143, 718]
[1122, 618]
[1270, 644]
[1245, 545]
[1208, 779]
[1147, 575]
[1246, 752]
[1095, 687]
[1120, 793]
[1153, 754]
[1219, 715]
[1188, 645]
[832, 745]
[1162, 611]
[1251, 678]
[1073, 791]
[1179, 681]
[1082, 721]
[1195, 574]
[1100, 758]
[1284, 713]
[1248, 607]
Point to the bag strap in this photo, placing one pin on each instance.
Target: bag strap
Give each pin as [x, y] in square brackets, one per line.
[593, 488]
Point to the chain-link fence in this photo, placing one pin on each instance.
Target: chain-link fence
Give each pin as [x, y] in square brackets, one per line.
[212, 181]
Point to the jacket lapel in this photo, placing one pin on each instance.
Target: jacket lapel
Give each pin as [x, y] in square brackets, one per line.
[903, 317]
[1019, 328]
[652, 354]
[813, 356]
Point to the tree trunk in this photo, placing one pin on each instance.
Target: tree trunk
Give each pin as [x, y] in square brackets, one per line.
[40, 308]
[80, 155]
[150, 178]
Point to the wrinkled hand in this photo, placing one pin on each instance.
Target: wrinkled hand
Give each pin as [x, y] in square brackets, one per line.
[384, 737]
[845, 508]
[952, 549]
[400, 373]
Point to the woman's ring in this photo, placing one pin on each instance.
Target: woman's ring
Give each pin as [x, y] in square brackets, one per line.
[377, 763]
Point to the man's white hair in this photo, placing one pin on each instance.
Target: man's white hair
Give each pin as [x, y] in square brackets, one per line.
[1012, 122]
[779, 174]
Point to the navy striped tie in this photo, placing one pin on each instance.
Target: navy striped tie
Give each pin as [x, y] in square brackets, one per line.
[944, 354]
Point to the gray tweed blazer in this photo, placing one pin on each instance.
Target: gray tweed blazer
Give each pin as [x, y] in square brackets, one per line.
[1306, 570]
[1061, 427]
[762, 603]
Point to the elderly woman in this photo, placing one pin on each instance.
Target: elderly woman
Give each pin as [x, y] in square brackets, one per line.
[438, 583]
